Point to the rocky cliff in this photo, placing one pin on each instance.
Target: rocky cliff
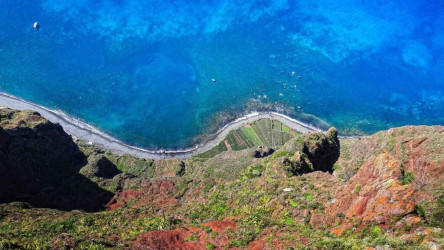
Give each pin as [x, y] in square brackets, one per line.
[40, 163]
[315, 191]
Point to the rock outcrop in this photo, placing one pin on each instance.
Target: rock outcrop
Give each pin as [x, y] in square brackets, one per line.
[314, 151]
[322, 149]
[399, 178]
[376, 193]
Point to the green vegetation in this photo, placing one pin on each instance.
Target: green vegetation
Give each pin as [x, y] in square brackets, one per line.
[194, 237]
[308, 197]
[131, 164]
[253, 171]
[24, 119]
[238, 140]
[376, 231]
[437, 216]
[408, 178]
[252, 136]
[209, 246]
[420, 211]
[226, 198]
[263, 132]
[391, 142]
[213, 152]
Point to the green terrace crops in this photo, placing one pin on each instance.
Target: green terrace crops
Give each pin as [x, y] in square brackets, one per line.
[264, 132]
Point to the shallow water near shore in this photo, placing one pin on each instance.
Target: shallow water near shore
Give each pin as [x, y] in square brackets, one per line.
[142, 71]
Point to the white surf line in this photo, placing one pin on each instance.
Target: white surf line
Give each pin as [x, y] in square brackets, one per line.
[88, 133]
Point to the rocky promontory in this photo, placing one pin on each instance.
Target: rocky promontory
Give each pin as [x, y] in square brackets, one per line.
[264, 186]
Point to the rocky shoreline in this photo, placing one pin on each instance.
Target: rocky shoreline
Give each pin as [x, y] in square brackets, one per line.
[88, 133]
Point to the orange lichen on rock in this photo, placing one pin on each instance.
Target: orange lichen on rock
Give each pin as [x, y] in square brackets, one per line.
[375, 194]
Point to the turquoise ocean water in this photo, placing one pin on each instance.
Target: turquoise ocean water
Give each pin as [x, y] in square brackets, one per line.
[142, 70]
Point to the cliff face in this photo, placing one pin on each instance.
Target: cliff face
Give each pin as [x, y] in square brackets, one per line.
[35, 155]
[384, 190]
[401, 176]
[39, 163]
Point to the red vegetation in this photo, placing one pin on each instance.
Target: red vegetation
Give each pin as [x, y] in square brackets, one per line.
[158, 193]
[192, 238]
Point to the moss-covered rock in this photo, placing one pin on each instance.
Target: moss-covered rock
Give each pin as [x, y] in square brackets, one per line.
[99, 166]
[298, 164]
[322, 149]
[12, 119]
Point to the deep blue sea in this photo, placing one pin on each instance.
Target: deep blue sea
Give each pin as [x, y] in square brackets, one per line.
[143, 70]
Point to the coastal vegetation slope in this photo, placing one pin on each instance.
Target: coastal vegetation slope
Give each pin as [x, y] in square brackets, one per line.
[298, 190]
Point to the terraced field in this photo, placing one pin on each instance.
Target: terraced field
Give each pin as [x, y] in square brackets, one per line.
[264, 132]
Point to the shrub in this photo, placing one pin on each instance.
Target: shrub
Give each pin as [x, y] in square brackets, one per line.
[213, 234]
[209, 246]
[280, 153]
[420, 211]
[376, 231]
[308, 197]
[437, 217]
[253, 171]
[391, 143]
[312, 205]
[336, 166]
[205, 228]
[194, 237]
[407, 178]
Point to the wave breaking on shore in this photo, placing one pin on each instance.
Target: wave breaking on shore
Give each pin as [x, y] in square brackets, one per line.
[88, 133]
